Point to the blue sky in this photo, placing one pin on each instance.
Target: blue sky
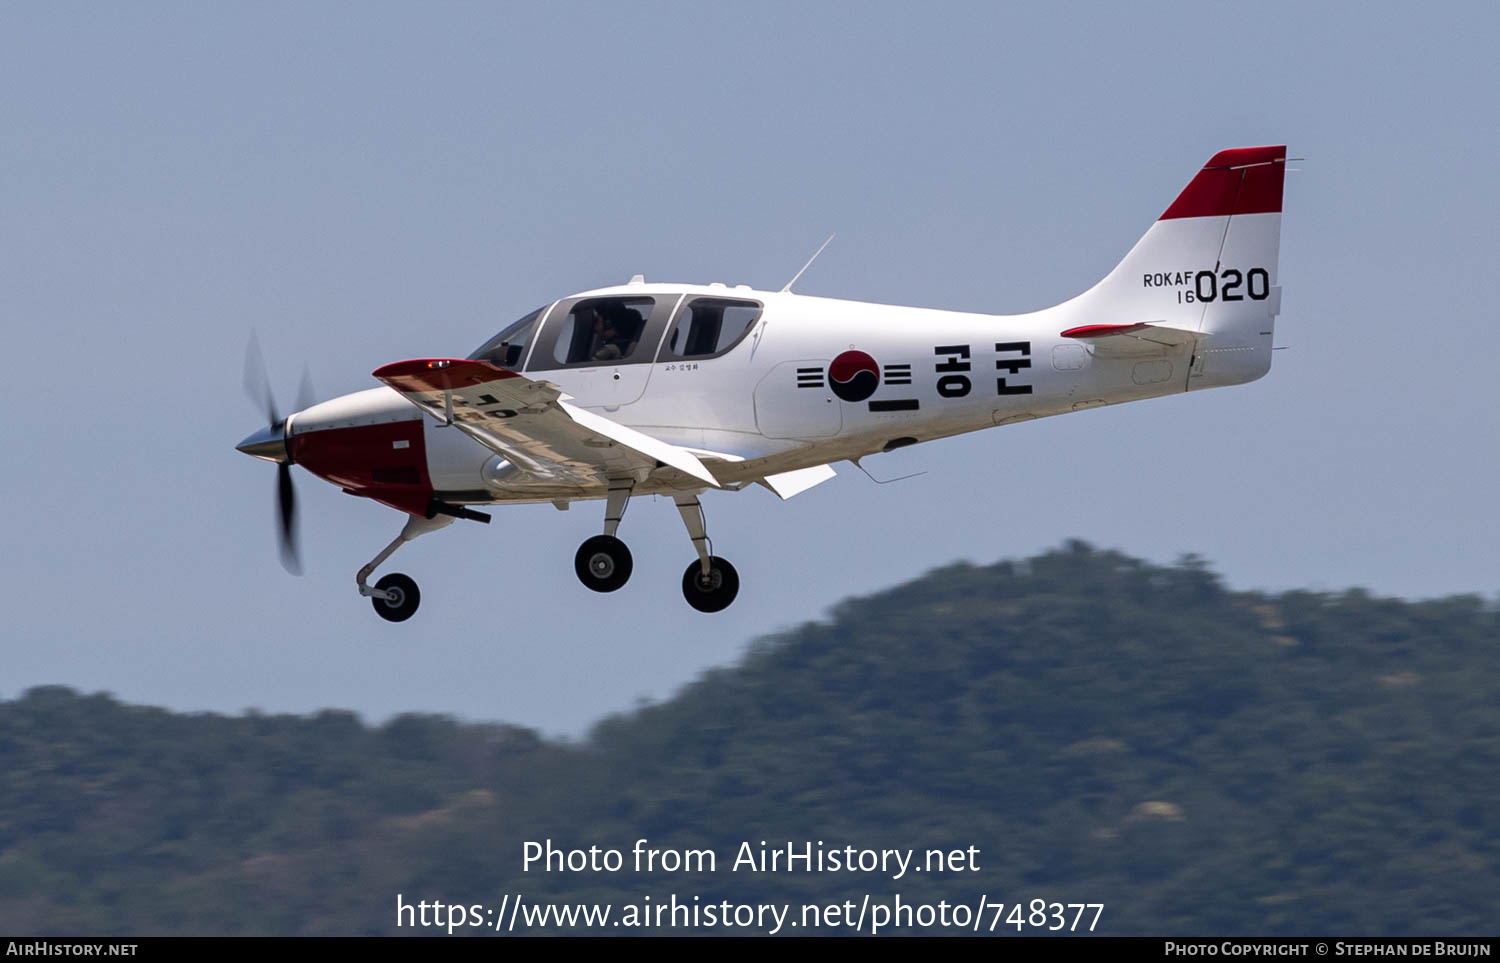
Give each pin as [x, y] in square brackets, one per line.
[363, 183]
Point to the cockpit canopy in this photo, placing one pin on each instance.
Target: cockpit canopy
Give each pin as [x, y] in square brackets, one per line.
[622, 329]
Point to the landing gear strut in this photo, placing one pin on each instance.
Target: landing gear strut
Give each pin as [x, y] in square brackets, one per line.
[711, 583]
[603, 563]
[395, 596]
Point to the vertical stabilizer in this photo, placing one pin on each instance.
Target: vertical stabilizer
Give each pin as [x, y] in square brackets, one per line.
[1208, 265]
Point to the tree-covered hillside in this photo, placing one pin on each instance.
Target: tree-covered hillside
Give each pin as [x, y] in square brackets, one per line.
[1101, 729]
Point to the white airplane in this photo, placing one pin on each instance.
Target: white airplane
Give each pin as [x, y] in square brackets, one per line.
[676, 389]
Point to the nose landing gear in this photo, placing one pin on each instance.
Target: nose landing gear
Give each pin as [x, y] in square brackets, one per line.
[396, 596]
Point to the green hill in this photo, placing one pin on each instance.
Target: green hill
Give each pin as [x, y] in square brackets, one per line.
[1100, 729]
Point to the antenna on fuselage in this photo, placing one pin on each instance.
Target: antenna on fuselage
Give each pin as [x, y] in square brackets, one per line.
[888, 481]
[807, 265]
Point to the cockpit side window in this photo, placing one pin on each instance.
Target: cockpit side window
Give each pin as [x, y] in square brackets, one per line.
[507, 348]
[593, 332]
[709, 327]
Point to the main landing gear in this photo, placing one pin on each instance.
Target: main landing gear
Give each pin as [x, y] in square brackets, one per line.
[710, 583]
[603, 563]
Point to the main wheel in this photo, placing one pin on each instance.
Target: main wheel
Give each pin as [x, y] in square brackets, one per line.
[714, 592]
[603, 563]
[404, 599]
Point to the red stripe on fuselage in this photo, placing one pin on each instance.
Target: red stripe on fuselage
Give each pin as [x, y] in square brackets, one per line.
[364, 460]
[440, 374]
[1246, 180]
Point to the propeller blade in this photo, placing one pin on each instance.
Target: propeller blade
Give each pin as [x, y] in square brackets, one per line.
[306, 396]
[258, 387]
[286, 509]
[257, 382]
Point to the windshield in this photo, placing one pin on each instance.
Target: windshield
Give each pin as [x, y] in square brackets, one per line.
[508, 347]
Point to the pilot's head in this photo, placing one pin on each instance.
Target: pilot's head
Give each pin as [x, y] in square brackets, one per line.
[588, 314]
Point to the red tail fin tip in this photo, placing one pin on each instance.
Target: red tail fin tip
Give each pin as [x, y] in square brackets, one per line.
[1244, 180]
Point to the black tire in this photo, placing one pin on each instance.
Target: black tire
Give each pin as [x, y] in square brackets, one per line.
[603, 563]
[715, 594]
[404, 606]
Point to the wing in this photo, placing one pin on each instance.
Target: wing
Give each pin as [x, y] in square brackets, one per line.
[532, 425]
[1143, 340]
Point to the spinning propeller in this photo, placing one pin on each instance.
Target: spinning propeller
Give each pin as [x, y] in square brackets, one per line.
[270, 443]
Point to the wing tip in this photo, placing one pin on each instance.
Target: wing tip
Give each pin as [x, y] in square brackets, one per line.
[439, 374]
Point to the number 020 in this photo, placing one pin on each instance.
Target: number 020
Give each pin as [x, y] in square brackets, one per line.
[1228, 285]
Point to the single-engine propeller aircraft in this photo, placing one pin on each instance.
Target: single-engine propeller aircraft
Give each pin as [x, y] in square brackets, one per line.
[676, 389]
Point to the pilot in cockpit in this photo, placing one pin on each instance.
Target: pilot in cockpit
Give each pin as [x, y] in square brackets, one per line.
[616, 330]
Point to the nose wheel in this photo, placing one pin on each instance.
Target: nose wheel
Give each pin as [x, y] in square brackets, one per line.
[710, 591]
[603, 563]
[400, 600]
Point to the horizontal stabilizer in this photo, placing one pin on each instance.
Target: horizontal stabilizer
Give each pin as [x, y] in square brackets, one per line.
[1141, 340]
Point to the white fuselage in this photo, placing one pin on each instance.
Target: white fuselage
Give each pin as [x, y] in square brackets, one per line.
[770, 400]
